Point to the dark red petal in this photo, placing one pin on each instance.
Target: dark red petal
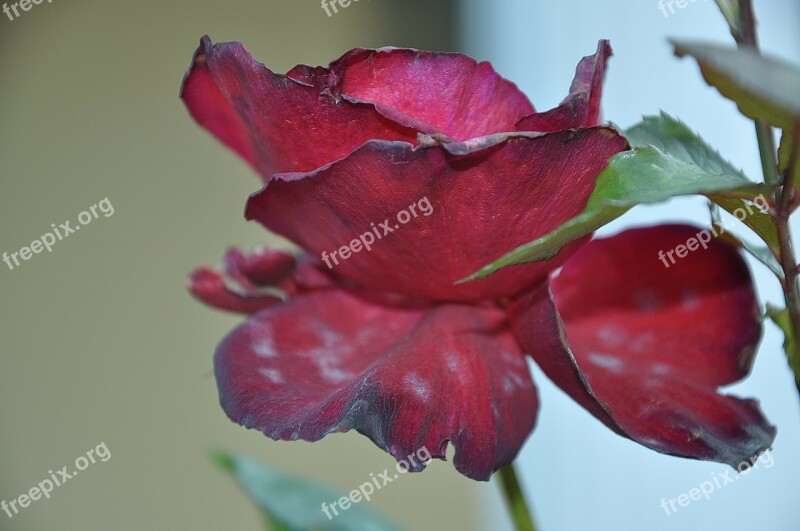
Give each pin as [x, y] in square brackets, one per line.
[257, 280]
[449, 92]
[644, 348]
[210, 108]
[210, 287]
[261, 267]
[582, 107]
[406, 378]
[310, 275]
[487, 196]
[277, 123]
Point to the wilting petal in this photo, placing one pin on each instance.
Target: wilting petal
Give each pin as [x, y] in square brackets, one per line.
[433, 92]
[582, 107]
[261, 267]
[644, 347]
[407, 378]
[277, 123]
[257, 280]
[210, 287]
[484, 198]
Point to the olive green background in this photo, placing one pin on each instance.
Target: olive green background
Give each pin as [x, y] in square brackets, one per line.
[100, 341]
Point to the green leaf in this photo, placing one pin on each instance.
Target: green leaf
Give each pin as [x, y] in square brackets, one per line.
[763, 87]
[761, 253]
[291, 504]
[757, 219]
[675, 138]
[783, 319]
[679, 164]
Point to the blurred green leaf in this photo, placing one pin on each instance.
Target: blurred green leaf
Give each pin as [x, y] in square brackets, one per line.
[292, 504]
[783, 319]
[668, 160]
[763, 87]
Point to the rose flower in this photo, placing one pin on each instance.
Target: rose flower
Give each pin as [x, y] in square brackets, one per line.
[377, 336]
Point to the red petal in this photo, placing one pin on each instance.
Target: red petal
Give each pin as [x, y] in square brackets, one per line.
[209, 106]
[263, 267]
[277, 123]
[644, 348]
[210, 287]
[433, 92]
[582, 107]
[487, 196]
[407, 378]
[257, 280]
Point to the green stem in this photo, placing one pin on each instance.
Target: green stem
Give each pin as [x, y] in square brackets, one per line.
[748, 38]
[767, 150]
[788, 261]
[784, 198]
[520, 514]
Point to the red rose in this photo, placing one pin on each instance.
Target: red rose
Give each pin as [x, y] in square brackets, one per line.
[449, 166]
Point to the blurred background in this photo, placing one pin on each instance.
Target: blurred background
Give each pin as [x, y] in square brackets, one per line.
[101, 343]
